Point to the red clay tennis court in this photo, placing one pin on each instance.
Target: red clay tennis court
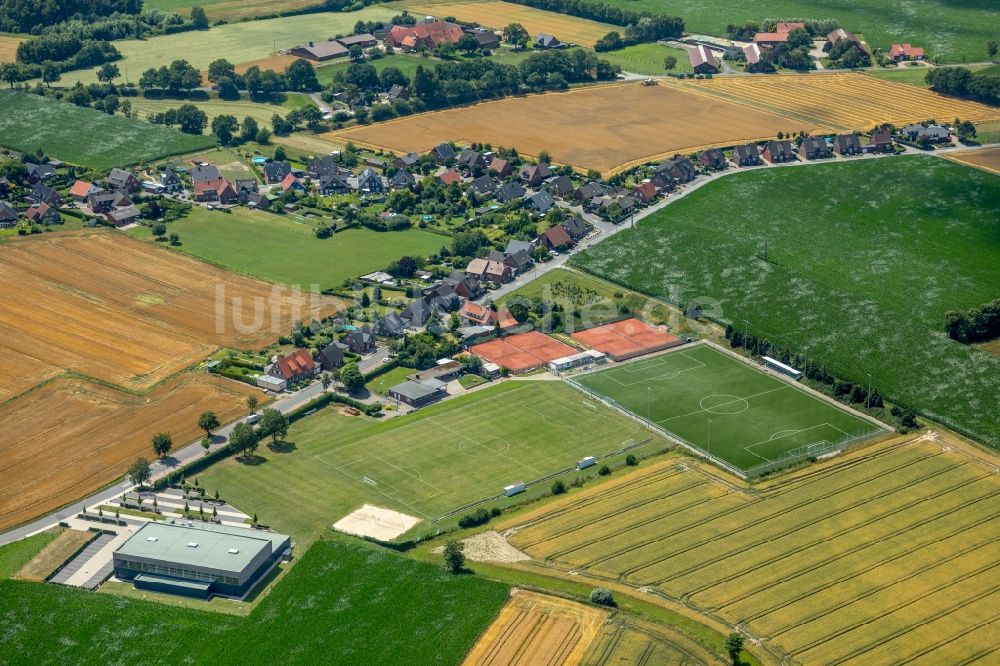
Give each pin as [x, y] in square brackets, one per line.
[523, 352]
[626, 339]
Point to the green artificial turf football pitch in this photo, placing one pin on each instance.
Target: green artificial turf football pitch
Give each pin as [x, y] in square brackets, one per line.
[727, 407]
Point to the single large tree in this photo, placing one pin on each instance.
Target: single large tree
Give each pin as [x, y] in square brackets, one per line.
[252, 402]
[351, 378]
[734, 646]
[140, 472]
[208, 422]
[108, 72]
[243, 440]
[198, 18]
[454, 557]
[162, 443]
[225, 127]
[274, 424]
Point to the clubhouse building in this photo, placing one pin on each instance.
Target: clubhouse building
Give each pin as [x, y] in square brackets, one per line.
[199, 560]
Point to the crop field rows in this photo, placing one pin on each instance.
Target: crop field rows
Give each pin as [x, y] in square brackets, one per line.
[843, 101]
[631, 642]
[490, 443]
[854, 563]
[727, 407]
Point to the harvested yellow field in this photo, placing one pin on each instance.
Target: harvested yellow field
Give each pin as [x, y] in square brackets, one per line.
[845, 101]
[496, 15]
[8, 48]
[887, 555]
[987, 159]
[607, 128]
[537, 630]
[632, 641]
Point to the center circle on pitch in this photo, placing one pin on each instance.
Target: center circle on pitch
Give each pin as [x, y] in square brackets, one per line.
[723, 404]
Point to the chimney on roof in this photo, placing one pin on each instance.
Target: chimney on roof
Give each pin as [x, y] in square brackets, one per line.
[311, 44]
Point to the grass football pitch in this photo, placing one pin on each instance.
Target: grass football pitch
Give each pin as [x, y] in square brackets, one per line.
[729, 408]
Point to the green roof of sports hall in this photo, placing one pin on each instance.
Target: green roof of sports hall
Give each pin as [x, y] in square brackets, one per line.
[217, 547]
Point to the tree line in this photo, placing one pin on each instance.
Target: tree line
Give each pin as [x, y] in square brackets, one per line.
[31, 15]
[646, 29]
[667, 27]
[962, 82]
[975, 325]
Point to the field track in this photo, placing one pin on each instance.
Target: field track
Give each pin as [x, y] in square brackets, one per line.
[987, 160]
[851, 562]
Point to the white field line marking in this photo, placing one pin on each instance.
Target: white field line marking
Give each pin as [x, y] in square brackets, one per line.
[728, 402]
[662, 377]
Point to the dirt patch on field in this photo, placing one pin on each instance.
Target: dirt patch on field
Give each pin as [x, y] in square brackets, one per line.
[375, 522]
[539, 630]
[54, 555]
[607, 128]
[987, 159]
[842, 101]
[496, 15]
[8, 48]
[489, 547]
[126, 312]
[70, 437]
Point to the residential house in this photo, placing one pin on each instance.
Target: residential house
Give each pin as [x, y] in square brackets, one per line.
[450, 177]
[41, 193]
[361, 340]
[407, 161]
[441, 297]
[646, 191]
[443, 153]
[560, 186]
[417, 313]
[369, 181]
[624, 202]
[483, 186]
[541, 203]
[747, 154]
[502, 168]
[880, 140]
[515, 246]
[42, 213]
[212, 191]
[470, 159]
[494, 271]
[426, 35]
[364, 40]
[120, 179]
[204, 173]
[170, 181]
[390, 326]
[478, 315]
[101, 201]
[320, 51]
[713, 158]
[663, 182]
[534, 174]
[465, 285]
[402, 179]
[121, 217]
[375, 163]
[770, 39]
[511, 191]
[275, 172]
[679, 168]
[122, 200]
[838, 35]
[926, 133]
[752, 53]
[815, 148]
[245, 187]
[703, 61]
[555, 238]
[847, 144]
[329, 184]
[290, 182]
[295, 367]
[331, 357]
[39, 172]
[591, 190]
[518, 261]
[82, 189]
[322, 166]
[8, 215]
[788, 26]
[779, 151]
[4, 186]
[900, 52]
[576, 227]
[397, 92]
[258, 201]
[486, 39]
[544, 41]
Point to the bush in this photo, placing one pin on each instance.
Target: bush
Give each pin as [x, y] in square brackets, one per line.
[631, 460]
[558, 488]
[476, 518]
[602, 596]
[604, 471]
[495, 512]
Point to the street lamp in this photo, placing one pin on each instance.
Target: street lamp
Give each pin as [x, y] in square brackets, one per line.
[746, 332]
[649, 392]
[710, 438]
[868, 398]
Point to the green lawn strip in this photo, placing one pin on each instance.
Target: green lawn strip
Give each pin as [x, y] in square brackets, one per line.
[427, 462]
[110, 510]
[970, 24]
[280, 249]
[407, 64]
[471, 381]
[15, 555]
[859, 279]
[87, 137]
[384, 382]
[343, 602]
[647, 59]
[260, 112]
